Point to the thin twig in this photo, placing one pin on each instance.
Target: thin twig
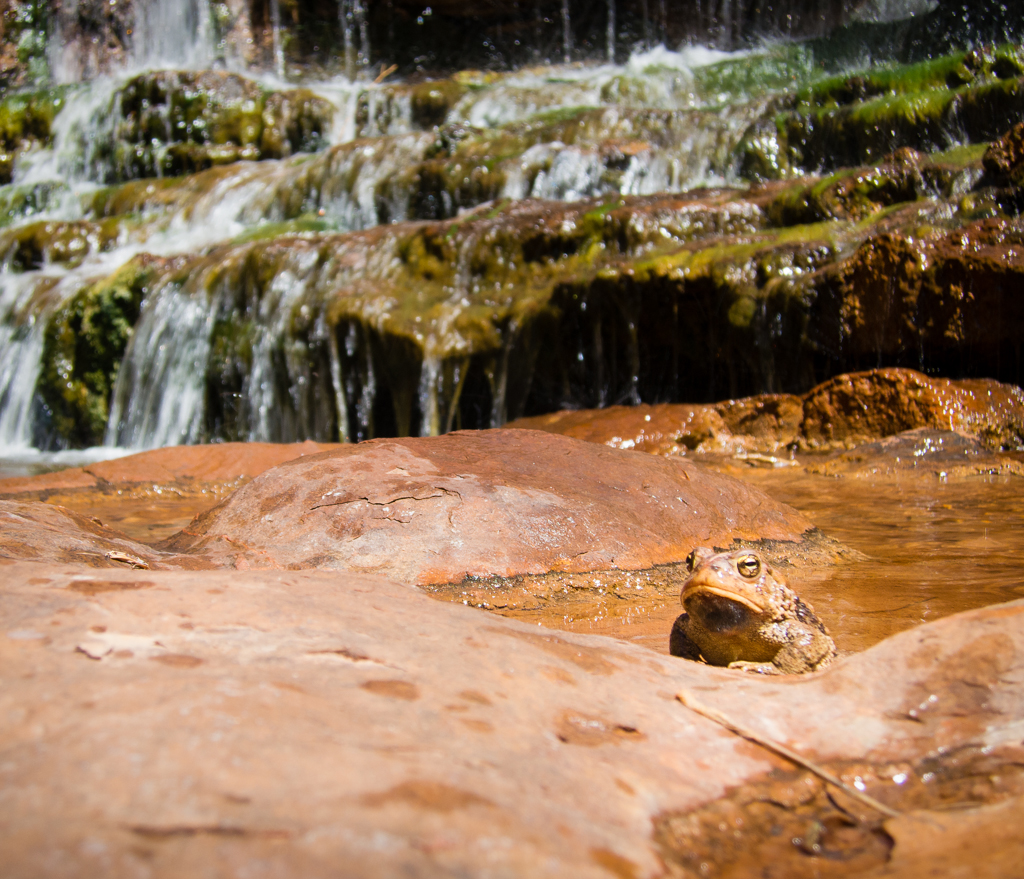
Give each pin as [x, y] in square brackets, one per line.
[711, 714]
[385, 73]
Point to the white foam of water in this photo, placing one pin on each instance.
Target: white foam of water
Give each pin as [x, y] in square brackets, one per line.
[85, 120]
[22, 461]
[158, 399]
[686, 58]
[172, 33]
[667, 75]
[20, 363]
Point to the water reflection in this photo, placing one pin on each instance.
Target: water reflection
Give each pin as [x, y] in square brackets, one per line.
[927, 549]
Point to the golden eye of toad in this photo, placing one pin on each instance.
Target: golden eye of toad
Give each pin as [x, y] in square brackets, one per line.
[749, 566]
[691, 560]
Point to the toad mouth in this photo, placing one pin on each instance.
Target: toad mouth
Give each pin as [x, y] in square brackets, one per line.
[723, 593]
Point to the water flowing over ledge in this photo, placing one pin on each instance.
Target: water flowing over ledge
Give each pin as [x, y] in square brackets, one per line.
[194, 253]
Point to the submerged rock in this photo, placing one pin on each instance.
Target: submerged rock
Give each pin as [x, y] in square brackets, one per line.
[147, 496]
[479, 505]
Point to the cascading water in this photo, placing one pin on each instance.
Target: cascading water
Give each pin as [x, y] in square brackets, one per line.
[173, 33]
[254, 317]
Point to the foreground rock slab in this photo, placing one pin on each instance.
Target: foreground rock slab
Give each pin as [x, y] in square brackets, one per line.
[282, 723]
[482, 504]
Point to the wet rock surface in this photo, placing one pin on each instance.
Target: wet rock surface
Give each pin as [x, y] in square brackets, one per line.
[939, 453]
[480, 505]
[47, 532]
[224, 720]
[151, 495]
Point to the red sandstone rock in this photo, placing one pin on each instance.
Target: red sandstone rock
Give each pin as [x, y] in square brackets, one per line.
[1005, 155]
[866, 406]
[842, 412]
[282, 724]
[482, 504]
[660, 429]
[50, 533]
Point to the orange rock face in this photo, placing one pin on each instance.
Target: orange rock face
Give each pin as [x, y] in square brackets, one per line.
[866, 406]
[221, 723]
[482, 504]
[844, 411]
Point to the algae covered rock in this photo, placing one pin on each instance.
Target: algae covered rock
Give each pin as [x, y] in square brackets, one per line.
[85, 341]
[856, 119]
[177, 122]
[1004, 159]
[26, 122]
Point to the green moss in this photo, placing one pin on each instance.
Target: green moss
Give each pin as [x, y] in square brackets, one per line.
[54, 242]
[949, 71]
[741, 312]
[19, 202]
[756, 74]
[180, 122]
[432, 101]
[297, 226]
[961, 155]
[26, 120]
[854, 119]
[84, 343]
[559, 115]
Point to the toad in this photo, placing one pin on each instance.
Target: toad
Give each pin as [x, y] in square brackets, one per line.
[740, 613]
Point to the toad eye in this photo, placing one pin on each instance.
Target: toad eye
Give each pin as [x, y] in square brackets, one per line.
[749, 566]
[691, 561]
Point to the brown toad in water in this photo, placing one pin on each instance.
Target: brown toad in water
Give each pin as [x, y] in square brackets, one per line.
[740, 613]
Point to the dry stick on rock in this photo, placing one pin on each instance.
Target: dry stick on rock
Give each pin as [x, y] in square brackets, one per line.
[731, 725]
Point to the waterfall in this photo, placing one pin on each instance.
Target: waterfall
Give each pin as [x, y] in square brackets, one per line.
[21, 350]
[345, 21]
[363, 25]
[158, 399]
[610, 33]
[275, 27]
[566, 33]
[355, 31]
[173, 33]
[256, 316]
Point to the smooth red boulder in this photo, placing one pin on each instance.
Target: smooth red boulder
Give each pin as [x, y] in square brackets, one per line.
[482, 504]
